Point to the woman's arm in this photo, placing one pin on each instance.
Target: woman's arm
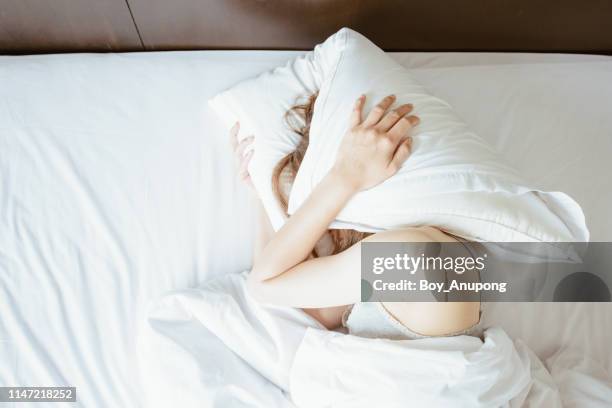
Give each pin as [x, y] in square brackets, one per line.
[295, 240]
[331, 280]
[263, 231]
[372, 151]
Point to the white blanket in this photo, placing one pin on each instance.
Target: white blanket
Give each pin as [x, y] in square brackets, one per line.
[215, 346]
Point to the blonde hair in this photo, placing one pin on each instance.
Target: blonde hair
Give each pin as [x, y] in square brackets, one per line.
[298, 118]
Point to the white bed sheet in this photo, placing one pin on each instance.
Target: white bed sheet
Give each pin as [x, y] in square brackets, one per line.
[116, 185]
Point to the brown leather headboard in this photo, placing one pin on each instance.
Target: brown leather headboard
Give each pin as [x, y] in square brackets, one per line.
[425, 25]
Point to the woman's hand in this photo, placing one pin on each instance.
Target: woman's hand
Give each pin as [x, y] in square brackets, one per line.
[242, 153]
[371, 151]
[375, 148]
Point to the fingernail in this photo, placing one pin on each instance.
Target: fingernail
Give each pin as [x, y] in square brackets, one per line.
[251, 137]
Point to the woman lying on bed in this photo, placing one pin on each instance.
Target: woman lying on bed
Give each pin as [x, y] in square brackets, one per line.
[306, 265]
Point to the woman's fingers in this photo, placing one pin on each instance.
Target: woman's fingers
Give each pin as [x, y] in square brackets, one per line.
[239, 148]
[357, 109]
[243, 171]
[234, 135]
[379, 110]
[403, 126]
[392, 117]
[242, 146]
[401, 154]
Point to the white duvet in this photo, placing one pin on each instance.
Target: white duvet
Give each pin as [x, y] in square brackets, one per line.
[215, 346]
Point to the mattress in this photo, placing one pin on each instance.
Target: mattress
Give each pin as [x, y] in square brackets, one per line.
[117, 185]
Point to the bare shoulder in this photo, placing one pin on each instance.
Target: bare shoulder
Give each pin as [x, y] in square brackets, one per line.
[428, 318]
[413, 234]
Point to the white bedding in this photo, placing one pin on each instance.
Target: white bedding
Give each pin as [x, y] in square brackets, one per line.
[116, 185]
[215, 346]
[287, 352]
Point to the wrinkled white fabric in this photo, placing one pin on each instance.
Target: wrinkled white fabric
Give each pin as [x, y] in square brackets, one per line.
[333, 369]
[260, 105]
[215, 344]
[453, 179]
[259, 340]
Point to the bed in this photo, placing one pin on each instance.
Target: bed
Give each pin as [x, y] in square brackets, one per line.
[117, 185]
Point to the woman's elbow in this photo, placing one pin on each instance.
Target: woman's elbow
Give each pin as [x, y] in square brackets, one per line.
[263, 271]
[262, 283]
[255, 287]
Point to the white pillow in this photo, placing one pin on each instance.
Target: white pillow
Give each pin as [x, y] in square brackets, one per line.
[452, 180]
[260, 105]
